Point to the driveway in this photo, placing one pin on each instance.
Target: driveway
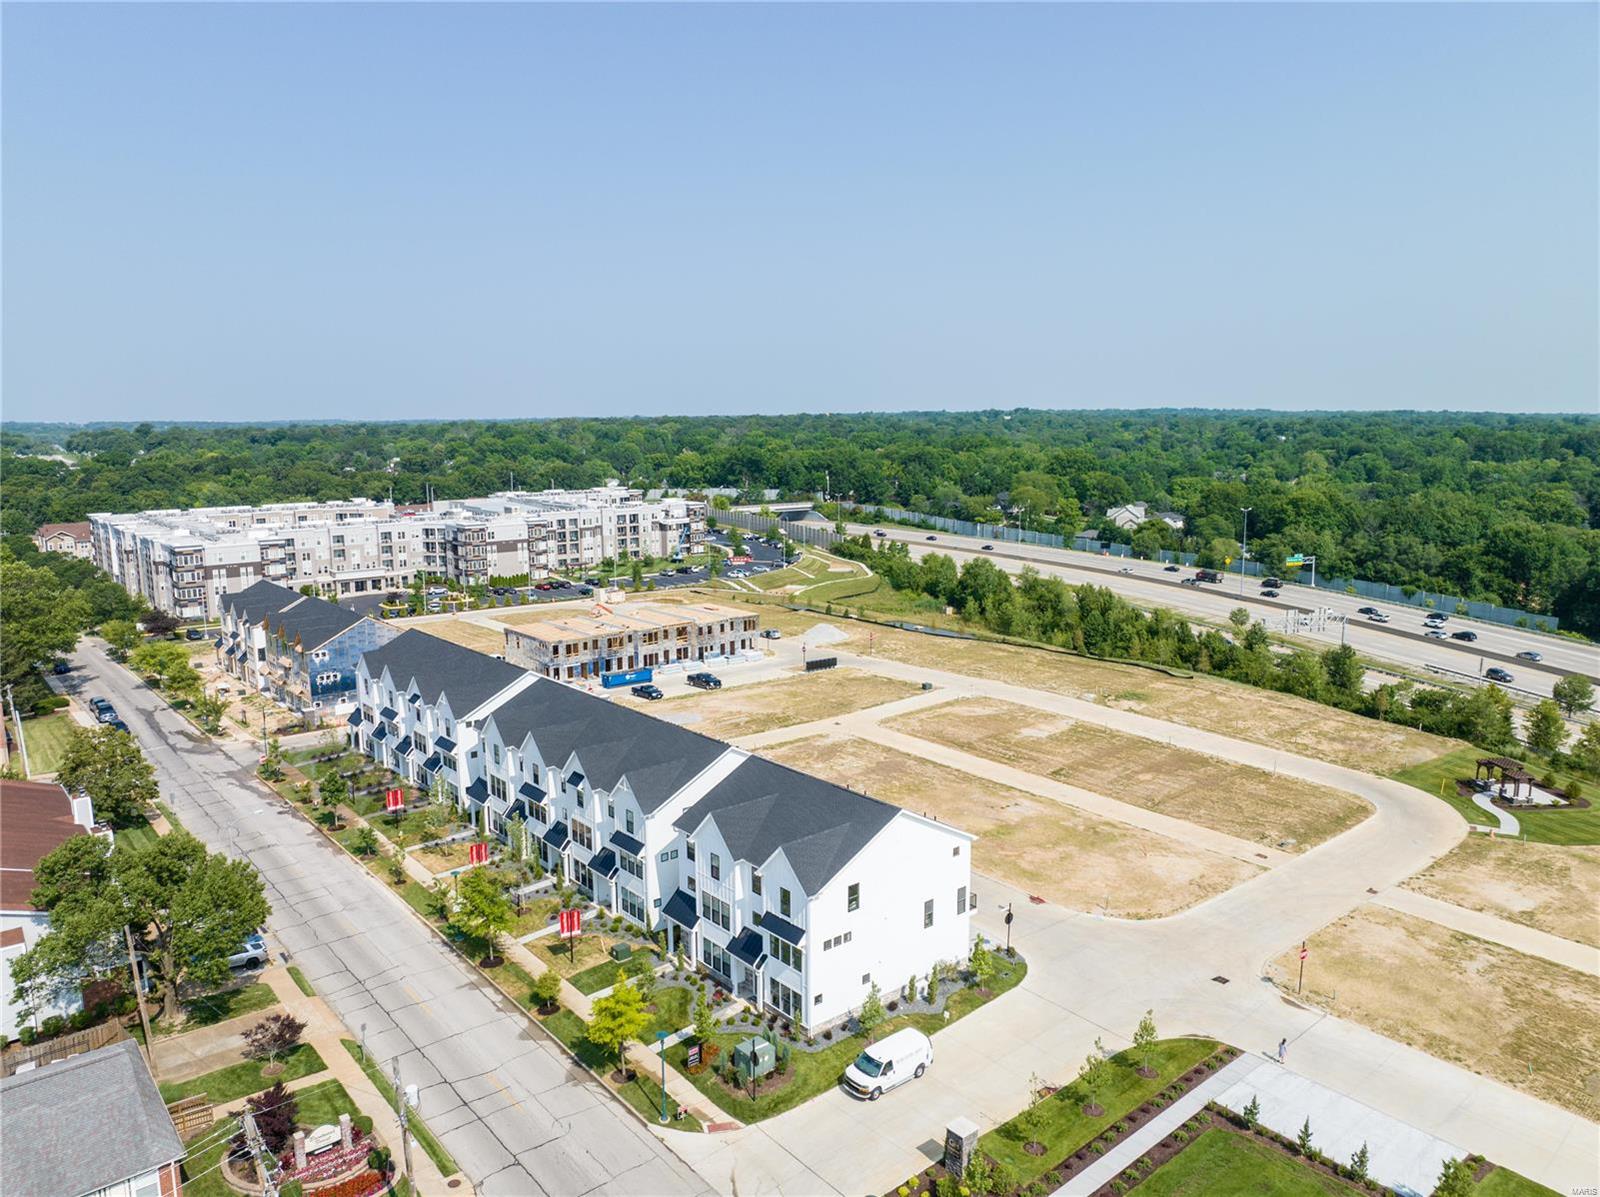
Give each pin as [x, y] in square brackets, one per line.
[519, 1118]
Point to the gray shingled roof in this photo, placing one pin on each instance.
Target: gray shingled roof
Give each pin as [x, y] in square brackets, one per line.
[259, 600]
[82, 1124]
[762, 806]
[311, 621]
[470, 678]
[613, 742]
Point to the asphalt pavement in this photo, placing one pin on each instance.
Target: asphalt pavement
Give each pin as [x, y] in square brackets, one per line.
[517, 1114]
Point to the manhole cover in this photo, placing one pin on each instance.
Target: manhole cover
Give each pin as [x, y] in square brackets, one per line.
[1220, 980]
[453, 1184]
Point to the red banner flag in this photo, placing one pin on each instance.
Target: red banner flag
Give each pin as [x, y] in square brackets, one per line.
[393, 799]
[477, 853]
[570, 923]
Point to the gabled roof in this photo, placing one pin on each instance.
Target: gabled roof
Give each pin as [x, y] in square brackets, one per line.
[84, 1123]
[255, 602]
[310, 622]
[613, 742]
[80, 530]
[762, 807]
[37, 817]
[438, 667]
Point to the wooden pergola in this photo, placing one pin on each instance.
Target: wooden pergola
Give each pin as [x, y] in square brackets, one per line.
[1511, 774]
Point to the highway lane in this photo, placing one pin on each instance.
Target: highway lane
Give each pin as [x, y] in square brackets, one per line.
[1401, 642]
[518, 1116]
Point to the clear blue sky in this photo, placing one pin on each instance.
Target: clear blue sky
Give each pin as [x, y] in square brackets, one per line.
[303, 210]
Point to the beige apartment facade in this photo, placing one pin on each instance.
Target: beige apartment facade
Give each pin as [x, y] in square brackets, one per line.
[642, 637]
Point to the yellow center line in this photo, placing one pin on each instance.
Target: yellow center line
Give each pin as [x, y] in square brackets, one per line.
[504, 1092]
[417, 998]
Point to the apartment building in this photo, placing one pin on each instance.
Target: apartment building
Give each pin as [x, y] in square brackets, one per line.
[796, 893]
[643, 636]
[297, 649]
[183, 561]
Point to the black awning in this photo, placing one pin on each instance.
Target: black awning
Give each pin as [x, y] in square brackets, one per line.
[433, 763]
[530, 793]
[355, 717]
[381, 734]
[403, 748]
[680, 909]
[782, 928]
[749, 946]
[388, 713]
[604, 862]
[574, 779]
[624, 842]
[217, 643]
[556, 836]
[444, 744]
[478, 791]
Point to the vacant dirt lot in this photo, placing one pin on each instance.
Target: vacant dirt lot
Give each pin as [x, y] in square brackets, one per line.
[1547, 886]
[1249, 803]
[1232, 709]
[1057, 852]
[762, 706]
[472, 635]
[1462, 999]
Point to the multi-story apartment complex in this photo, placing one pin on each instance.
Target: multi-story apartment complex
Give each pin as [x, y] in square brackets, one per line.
[184, 560]
[796, 893]
[299, 650]
[641, 637]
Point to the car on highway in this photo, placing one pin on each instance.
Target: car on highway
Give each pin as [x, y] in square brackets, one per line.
[647, 691]
[1207, 575]
[1273, 583]
[704, 681]
[1368, 611]
[879, 532]
[1467, 636]
[1436, 634]
[1171, 569]
[1528, 654]
[1126, 569]
[988, 548]
[1377, 617]
[252, 953]
[1269, 594]
[1495, 674]
[1189, 582]
[930, 538]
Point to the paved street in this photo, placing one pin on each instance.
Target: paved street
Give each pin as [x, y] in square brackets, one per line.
[519, 1118]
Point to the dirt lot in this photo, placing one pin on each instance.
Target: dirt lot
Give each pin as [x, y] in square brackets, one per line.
[1462, 999]
[762, 706]
[1547, 886]
[1232, 709]
[1057, 852]
[471, 635]
[1249, 803]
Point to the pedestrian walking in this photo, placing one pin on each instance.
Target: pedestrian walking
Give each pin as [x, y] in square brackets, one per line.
[1283, 1048]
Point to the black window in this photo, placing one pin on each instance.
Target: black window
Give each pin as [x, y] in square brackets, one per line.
[853, 898]
[755, 882]
[783, 902]
[927, 913]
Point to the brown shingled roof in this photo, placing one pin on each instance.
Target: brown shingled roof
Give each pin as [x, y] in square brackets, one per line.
[35, 819]
[78, 531]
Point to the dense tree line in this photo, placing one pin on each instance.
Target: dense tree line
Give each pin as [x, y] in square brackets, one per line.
[1495, 507]
[1095, 621]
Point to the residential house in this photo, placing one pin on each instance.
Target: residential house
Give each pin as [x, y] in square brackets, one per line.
[75, 539]
[92, 1125]
[1131, 515]
[38, 817]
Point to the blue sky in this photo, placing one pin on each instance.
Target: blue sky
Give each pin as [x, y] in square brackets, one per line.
[280, 211]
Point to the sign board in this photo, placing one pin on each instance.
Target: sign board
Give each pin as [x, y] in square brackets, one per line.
[477, 853]
[1295, 559]
[815, 663]
[631, 677]
[960, 1140]
[393, 799]
[693, 1060]
[1303, 952]
[741, 559]
[571, 923]
[324, 1137]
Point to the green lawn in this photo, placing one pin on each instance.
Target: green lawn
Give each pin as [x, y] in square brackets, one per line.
[512, 978]
[172, 819]
[299, 978]
[318, 1104]
[643, 1093]
[243, 1079]
[1221, 1163]
[672, 1013]
[47, 740]
[219, 1007]
[814, 1072]
[425, 1138]
[1067, 1128]
[535, 916]
[603, 976]
[137, 837]
[1542, 827]
[1503, 1182]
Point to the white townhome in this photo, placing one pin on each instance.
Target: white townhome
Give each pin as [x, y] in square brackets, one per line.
[797, 893]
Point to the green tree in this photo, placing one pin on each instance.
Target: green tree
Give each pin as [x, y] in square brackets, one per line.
[517, 838]
[331, 788]
[1343, 670]
[618, 1017]
[872, 1012]
[1303, 1138]
[208, 711]
[982, 963]
[43, 618]
[1360, 1162]
[704, 1024]
[191, 908]
[1587, 748]
[636, 574]
[1574, 694]
[271, 767]
[736, 546]
[167, 662]
[1092, 1079]
[1251, 1111]
[1032, 1120]
[547, 988]
[1546, 731]
[122, 635]
[1239, 618]
[1455, 1180]
[106, 764]
[1144, 1042]
[482, 909]
[364, 842]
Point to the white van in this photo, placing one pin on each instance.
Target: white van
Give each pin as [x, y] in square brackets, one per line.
[889, 1062]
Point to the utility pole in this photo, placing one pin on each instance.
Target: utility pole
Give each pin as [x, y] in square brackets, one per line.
[138, 996]
[404, 1115]
[22, 741]
[1244, 548]
[265, 1164]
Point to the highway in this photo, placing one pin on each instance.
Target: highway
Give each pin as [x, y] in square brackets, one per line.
[1401, 641]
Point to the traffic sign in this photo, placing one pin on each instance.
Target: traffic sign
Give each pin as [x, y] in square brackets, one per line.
[1295, 559]
[393, 799]
[1303, 952]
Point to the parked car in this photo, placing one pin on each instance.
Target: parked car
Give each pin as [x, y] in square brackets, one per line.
[704, 681]
[60, 667]
[591, 582]
[252, 954]
[1528, 654]
[106, 714]
[96, 703]
[647, 691]
[771, 634]
[117, 725]
[194, 634]
[1495, 674]
[892, 1061]
[585, 590]
[684, 569]
[1467, 636]
[1269, 594]
[1367, 611]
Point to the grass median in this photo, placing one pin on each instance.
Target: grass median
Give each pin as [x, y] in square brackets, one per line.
[442, 1159]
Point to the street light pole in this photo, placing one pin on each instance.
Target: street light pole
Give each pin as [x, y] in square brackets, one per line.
[1244, 548]
[661, 1048]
